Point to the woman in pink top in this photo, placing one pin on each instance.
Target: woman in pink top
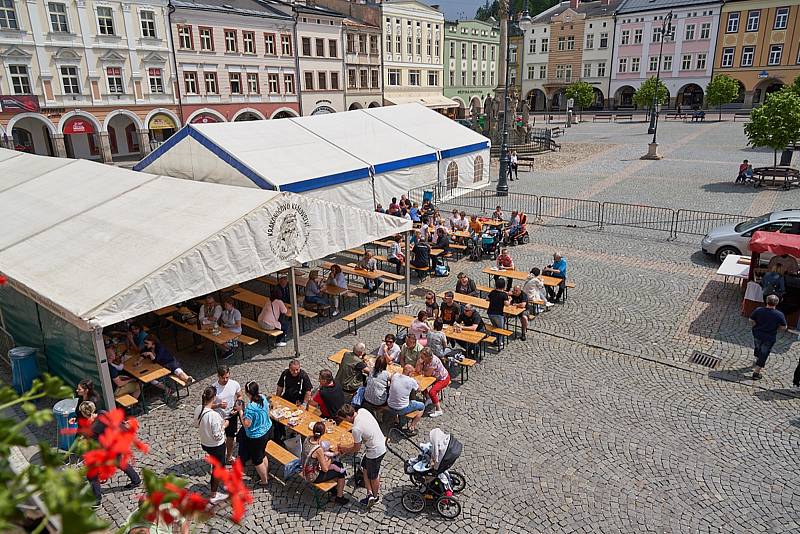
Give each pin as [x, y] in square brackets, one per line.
[430, 365]
[419, 327]
[270, 319]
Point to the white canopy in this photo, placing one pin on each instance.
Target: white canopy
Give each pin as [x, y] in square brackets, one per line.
[99, 244]
[359, 158]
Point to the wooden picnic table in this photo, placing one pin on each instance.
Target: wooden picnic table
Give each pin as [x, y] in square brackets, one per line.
[257, 301]
[354, 271]
[463, 234]
[338, 435]
[144, 369]
[483, 304]
[505, 273]
[467, 336]
[224, 336]
[424, 381]
[492, 222]
[301, 281]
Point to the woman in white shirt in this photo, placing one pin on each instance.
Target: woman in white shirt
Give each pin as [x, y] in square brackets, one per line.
[377, 389]
[336, 278]
[212, 436]
[419, 327]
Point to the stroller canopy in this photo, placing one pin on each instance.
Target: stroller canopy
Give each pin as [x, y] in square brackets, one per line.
[445, 450]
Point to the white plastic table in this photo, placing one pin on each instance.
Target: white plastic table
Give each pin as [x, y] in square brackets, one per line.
[731, 268]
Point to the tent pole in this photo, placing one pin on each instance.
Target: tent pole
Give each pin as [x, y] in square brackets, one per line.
[295, 315]
[408, 266]
[102, 368]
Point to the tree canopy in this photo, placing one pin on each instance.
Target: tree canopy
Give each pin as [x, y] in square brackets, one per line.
[644, 94]
[721, 90]
[581, 92]
[775, 123]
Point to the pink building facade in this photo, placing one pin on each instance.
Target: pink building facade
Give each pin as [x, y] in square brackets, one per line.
[687, 58]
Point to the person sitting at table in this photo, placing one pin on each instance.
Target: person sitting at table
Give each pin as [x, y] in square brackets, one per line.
[394, 207]
[426, 210]
[396, 256]
[442, 240]
[377, 389]
[336, 278]
[413, 212]
[471, 320]
[282, 292]
[453, 220]
[257, 425]
[294, 386]
[400, 403]
[313, 293]
[475, 226]
[379, 209]
[437, 340]
[498, 299]
[231, 319]
[208, 315]
[419, 327]
[449, 309]
[465, 285]
[497, 214]
[430, 365]
[123, 383]
[157, 352]
[273, 316]
[462, 222]
[535, 289]
[370, 264]
[318, 464]
[329, 397]
[512, 231]
[504, 263]
[135, 337]
[557, 269]
[519, 299]
[389, 348]
[431, 306]
[410, 351]
[351, 371]
[428, 230]
[421, 255]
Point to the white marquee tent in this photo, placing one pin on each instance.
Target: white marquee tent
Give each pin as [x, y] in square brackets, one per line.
[86, 245]
[360, 158]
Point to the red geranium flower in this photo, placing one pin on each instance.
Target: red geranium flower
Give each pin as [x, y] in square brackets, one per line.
[234, 485]
[117, 441]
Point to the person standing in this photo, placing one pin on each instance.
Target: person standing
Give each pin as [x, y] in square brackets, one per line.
[212, 436]
[498, 300]
[228, 392]
[257, 424]
[766, 321]
[514, 167]
[367, 432]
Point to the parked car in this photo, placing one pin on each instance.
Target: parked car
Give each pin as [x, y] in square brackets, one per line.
[735, 238]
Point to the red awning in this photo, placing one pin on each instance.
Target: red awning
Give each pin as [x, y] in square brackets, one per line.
[78, 126]
[776, 243]
[204, 118]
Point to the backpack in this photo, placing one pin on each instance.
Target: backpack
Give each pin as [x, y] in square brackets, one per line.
[441, 268]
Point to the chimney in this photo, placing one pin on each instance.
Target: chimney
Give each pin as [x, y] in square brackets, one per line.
[574, 4]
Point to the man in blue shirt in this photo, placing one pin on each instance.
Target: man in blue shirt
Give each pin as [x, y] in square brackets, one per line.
[766, 322]
[558, 269]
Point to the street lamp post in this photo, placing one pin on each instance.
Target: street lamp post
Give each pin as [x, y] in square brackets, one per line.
[666, 31]
[524, 23]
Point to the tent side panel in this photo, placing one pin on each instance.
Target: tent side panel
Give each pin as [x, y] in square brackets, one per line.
[356, 193]
[22, 321]
[399, 182]
[191, 160]
[467, 164]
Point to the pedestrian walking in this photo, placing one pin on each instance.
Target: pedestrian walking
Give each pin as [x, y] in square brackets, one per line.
[766, 321]
[212, 436]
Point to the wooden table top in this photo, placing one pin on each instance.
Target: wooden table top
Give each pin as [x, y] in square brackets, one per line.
[507, 273]
[467, 336]
[491, 222]
[424, 381]
[224, 335]
[250, 297]
[144, 369]
[301, 281]
[355, 271]
[339, 434]
[483, 303]
[462, 234]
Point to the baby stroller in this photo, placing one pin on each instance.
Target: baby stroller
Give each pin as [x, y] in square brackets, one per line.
[490, 243]
[430, 473]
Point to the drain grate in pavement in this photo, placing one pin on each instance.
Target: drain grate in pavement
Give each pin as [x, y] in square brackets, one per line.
[706, 360]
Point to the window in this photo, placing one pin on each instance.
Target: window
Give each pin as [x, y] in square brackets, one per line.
[374, 74]
[700, 62]
[20, 82]
[249, 42]
[351, 43]
[689, 32]
[351, 78]
[733, 23]
[211, 83]
[587, 70]
[413, 77]
[653, 63]
[410, 44]
[635, 64]
[253, 86]
[545, 47]
[781, 18]
[308, 79]
[748, 52]
[753, 17]
[190, 83]
[559, 72]
[286, 44]
[562, 42]
[571, 43]
[8, 16]
[603, 40]
[58, 17]
[477, 170]
[394, 77]
[623, 65]
[231, 42]
[667, 66]
[156, 81]
[114, 79]
[148, 21]
[322, 81]
[705, 30]
[389, 45]
[433, 78]
[436, 47]
[428, 45]
[775, 52]
[601, 70]
[474, 78]
[363, 78]
[273, 84]
[483, 53]
[69, 80]
[656, 35]
[306, 43]
[373, 45]
[727, 57]
[474, 51]
[288, 84]
[332, 50]
[419, 44]
[637, 36]
[452, 176]
[235, 81]
[269, 44]
[320, 47]
[105, 20]
[532, 46]
[397, 41]
[626, 37]
[335, 81]
[589, 41]
[206, 38]
[542, 72]
[185, 40]
[686, 62]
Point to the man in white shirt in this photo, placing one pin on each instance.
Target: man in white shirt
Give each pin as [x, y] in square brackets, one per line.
[389, 348]
[400, 403]
[228, 392]
[209, 314]
[367, 432]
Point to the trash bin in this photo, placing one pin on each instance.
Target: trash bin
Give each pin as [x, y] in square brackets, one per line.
[23, 368]
[65, 416]
[427, 195]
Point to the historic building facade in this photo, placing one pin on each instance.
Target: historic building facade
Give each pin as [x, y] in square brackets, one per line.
[471, 60]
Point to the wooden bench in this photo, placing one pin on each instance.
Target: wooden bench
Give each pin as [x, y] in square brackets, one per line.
[357, 252]
[284, 457]
[673, 115]
[602, 117]
[525, 163]
[253, 325]
[500, 332]
[466, 363]
[179, 384]
[623, 116]
[421, 271]
[459, 250]
[126, 401]
[353, 317]
[741, 115]
[488, 340]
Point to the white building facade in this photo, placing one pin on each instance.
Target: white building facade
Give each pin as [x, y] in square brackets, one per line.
[320, 59]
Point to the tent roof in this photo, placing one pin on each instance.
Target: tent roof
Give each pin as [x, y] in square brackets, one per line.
[776, 243]
[98, 244]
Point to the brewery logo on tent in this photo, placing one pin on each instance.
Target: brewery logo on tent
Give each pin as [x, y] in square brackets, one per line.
[288, 230]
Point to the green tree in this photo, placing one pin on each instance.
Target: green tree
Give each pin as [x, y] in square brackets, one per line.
[643, 97]
[721, 90]
[582, 93]
[795, 86]
[775, 123]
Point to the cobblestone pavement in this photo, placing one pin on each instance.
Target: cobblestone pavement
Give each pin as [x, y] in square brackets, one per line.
[597, 423]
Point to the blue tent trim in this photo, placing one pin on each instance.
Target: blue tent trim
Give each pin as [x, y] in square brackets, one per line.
[166, 145]
[403, 163]
[325, 181]
[452, 152]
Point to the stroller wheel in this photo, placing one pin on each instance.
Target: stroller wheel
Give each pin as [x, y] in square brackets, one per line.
[413, 501]
[448, 507]
[457, 481]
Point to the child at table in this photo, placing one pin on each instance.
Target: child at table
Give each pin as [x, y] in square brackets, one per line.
[318, 464]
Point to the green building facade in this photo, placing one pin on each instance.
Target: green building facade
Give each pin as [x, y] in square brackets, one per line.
[471, 57]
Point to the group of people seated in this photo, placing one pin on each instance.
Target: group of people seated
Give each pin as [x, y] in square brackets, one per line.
[406, 209]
